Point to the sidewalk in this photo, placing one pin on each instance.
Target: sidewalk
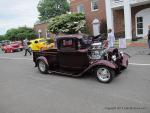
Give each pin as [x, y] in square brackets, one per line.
[134, 48]
[134, 51]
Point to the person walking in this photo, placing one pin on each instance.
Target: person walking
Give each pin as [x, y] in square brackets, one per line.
[111, 38]
[148, 35]
[25, 43]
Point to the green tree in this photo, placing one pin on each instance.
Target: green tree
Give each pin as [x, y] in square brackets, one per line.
[2, 37]
[20, 33]
[67, 23]
[52, 8]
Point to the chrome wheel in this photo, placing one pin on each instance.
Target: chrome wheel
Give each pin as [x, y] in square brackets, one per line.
[104, 74]
[42, 66]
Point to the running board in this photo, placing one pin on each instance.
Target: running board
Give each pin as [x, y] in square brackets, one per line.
[62, 73]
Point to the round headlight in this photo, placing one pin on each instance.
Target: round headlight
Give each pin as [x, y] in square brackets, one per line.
[114, 57]
[121, 52]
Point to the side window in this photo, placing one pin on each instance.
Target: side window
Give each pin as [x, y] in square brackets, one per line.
[80, 8]
[94, 5]
[139, 21]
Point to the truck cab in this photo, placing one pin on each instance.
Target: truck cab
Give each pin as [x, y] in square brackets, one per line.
[70, 54]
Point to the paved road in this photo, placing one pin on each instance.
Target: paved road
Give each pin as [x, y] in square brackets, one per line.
[24, 90]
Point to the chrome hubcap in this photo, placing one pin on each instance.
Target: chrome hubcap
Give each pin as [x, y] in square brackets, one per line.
[103, 74]
[42, 66]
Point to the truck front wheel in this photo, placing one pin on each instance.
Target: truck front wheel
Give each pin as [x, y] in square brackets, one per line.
[104, 74]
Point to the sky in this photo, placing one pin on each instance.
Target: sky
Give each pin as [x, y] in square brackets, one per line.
[17, 13]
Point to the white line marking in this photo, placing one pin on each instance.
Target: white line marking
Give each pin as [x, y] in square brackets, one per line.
[138, 64]
[15, 58]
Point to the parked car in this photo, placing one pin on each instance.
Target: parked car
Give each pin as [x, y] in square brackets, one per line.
[4, 43]
[73, 58]
[42, 43]
[13, 47]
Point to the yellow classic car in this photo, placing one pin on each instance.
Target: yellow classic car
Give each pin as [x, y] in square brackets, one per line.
[40, 44]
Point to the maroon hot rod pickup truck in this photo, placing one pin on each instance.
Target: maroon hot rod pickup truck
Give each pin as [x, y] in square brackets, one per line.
[73, 57]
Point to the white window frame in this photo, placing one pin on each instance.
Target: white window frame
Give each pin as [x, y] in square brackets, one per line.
[78, 8]
[96, 22]
[92, 9]
[137, 25]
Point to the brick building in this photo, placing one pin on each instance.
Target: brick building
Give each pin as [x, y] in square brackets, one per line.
[95, 14]
[41, 29]
[129, 16]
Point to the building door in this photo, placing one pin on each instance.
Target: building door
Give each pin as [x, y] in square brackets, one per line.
[96, 27]
[142, 22]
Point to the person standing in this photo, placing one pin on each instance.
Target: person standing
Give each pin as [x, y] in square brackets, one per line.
[148, 35]
[25, 43]
[111, 38]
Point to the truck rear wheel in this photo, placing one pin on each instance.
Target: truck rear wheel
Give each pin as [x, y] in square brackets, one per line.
[104, 74]
[43, 68]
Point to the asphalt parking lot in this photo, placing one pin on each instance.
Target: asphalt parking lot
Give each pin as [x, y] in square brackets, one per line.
[24, 90]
